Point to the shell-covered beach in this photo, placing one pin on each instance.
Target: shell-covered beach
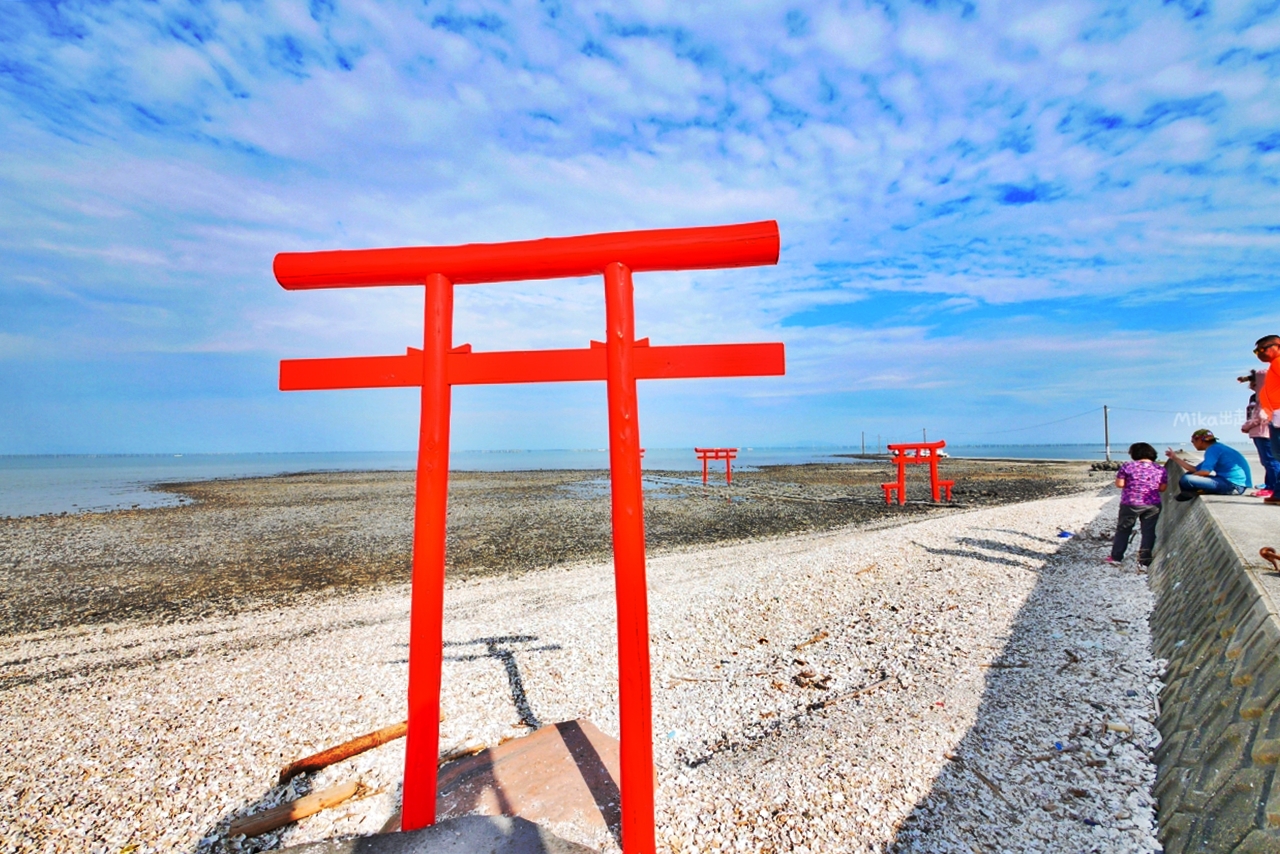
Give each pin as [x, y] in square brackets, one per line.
[830, 674]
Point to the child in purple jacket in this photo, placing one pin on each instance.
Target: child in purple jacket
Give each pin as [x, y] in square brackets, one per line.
[1141, 482]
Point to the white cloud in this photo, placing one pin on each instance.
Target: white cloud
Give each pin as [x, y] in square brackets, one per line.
[21, 346]
[993, 159]
[1184, 141]
[1049, 28]
[1262, 36]
[857, 40]
[924, 39]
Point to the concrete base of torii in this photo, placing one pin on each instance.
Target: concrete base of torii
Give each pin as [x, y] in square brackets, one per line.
[562, 776]
[469, 834]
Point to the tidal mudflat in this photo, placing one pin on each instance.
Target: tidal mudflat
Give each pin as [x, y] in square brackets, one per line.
[262, 542]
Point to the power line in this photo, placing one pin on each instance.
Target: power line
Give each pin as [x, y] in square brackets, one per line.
[1161, 411]
[1034, 426]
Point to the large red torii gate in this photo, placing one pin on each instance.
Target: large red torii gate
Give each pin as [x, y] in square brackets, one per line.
[620, 360]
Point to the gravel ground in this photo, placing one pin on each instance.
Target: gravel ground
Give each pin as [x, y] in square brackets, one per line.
[958, 700]
[246, 544]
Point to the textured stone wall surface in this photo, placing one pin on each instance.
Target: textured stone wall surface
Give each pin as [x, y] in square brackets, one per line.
[1215, 622]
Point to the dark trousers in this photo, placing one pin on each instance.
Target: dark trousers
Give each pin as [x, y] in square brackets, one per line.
[1144, 514]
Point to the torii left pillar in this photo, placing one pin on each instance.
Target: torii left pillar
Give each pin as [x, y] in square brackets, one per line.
[620, 361]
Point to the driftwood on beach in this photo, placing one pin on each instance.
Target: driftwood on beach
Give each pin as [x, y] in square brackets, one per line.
[346, 750]
[268, 820]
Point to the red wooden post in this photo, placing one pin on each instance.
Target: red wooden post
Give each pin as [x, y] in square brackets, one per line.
[933, 473]
[634, 702]
[902, 477]
[426, 615]
[939, 484]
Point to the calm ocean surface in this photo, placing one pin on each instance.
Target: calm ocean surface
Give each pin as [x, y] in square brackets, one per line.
[31, 485]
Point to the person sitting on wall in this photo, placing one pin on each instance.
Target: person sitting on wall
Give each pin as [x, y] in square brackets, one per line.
[1223, 471]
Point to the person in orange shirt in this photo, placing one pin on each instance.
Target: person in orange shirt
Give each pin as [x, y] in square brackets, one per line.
[1268, 350]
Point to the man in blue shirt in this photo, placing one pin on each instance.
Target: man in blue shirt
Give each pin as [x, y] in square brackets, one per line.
[1223, 471]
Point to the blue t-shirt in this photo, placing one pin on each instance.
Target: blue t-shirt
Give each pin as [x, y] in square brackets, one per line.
[1227, 462]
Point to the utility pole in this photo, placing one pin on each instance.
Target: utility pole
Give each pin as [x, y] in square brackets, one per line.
[924, 433]
[864, 443]
[877, 444]
[1106, 431]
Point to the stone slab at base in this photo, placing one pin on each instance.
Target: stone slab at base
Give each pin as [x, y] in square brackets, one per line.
[472, 834]
[564, 776]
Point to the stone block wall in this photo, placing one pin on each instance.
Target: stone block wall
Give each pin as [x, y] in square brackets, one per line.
[1216, 623]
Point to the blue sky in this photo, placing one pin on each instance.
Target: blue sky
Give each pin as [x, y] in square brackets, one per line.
[993, 215]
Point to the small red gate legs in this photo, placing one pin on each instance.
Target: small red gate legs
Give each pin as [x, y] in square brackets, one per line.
[619, 362]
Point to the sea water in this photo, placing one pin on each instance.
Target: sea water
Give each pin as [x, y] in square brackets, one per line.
[33, 485]
[37, 484]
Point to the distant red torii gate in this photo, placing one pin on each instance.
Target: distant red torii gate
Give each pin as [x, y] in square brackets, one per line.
[905, 454]
[726, 454]
[620, 360]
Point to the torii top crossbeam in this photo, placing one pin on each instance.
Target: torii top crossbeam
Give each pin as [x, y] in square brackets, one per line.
[708, 248]
[620, 360]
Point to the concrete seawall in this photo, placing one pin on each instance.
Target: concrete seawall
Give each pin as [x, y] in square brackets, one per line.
[1216, 622]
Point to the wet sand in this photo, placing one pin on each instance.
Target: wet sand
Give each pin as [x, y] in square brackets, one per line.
[264, 542]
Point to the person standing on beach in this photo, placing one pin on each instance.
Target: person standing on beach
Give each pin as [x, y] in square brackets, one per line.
[1141, 481]
[1268, 350]
[1258, 430]
[1223, 471]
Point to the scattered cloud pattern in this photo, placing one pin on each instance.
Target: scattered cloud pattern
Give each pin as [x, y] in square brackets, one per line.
[993, 214]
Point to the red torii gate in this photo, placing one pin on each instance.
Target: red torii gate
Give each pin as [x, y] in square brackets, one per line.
[726, 454]
[915, 454]
[620, 360]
